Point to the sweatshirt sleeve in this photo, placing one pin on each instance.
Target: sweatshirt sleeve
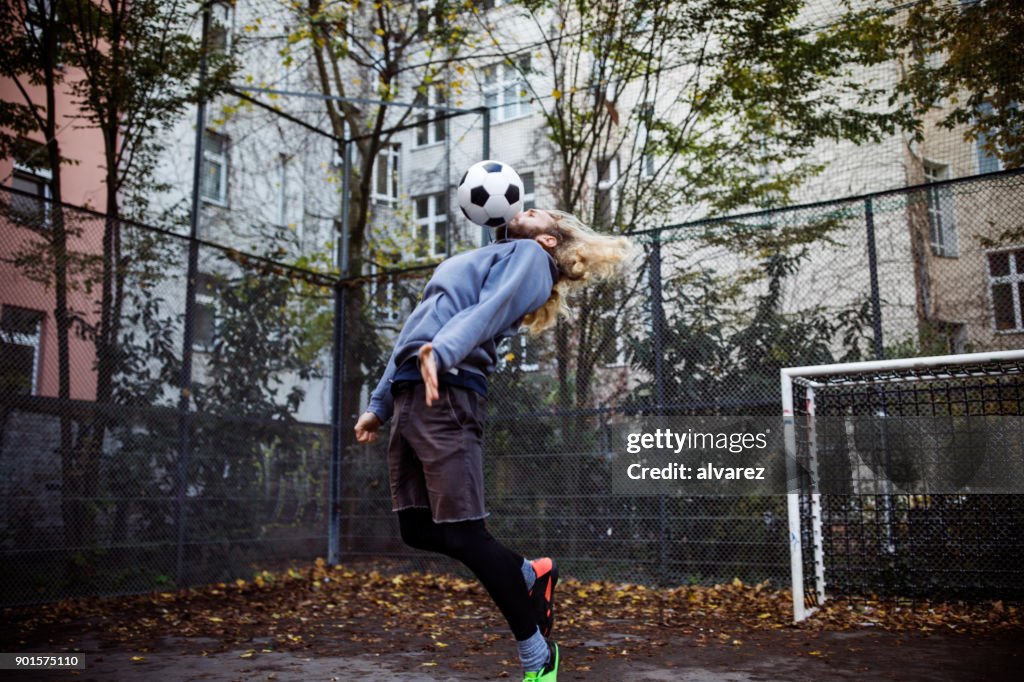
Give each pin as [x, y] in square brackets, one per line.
[381, 401]
[518, 285]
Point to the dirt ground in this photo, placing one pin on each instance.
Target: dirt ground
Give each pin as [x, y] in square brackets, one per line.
[336, 624]
[767, 656]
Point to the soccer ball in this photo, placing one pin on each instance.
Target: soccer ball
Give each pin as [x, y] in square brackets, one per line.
[490, 193]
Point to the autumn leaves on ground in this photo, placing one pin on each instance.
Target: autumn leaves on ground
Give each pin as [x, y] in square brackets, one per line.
[449, 621]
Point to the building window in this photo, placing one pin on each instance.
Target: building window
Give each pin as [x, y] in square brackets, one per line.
[612, 349]
[385, 174]
[505, 91]
[644, 139]
[204, 313]
[985, 148]
[648, 168]
[607, 176]
[987, 161]
[221, 18]
[941, 219]
[610, 332]
[32, 210]
[426, 14]
[32, 176]
[431, 225]
[41, 16]
[214, 181]
[527, 352]
[383, 292]
[529, 200]
[431, 126]
[20, 333]
[1006, 286]
[283, 162]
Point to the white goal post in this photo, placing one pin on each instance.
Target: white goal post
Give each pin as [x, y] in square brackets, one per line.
[813, 378]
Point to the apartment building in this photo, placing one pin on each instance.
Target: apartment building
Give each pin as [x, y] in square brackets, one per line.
[271, 180]
[29, 361]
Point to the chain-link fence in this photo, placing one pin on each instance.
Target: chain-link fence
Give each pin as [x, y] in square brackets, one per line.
[111, 483]
[703, 326]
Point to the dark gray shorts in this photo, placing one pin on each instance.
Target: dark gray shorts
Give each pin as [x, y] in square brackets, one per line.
[435, 454]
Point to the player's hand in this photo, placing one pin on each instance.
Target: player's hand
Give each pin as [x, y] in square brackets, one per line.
[367, 428]
[428, 370]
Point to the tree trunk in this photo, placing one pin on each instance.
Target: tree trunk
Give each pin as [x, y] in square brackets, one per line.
[74, 514]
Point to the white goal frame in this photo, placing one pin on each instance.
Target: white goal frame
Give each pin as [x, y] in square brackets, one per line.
[807, 376]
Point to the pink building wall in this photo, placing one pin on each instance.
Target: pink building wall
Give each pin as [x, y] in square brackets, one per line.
[81, 185]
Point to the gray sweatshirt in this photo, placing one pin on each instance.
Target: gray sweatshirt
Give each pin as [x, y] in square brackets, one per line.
[472, 302]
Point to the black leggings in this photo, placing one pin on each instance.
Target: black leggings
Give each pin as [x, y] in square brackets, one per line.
[496, 566]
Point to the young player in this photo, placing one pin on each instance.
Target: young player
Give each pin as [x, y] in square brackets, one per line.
[434, 392]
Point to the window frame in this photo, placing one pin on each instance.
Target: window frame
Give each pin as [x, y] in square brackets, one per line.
[30, 340]
[1015, 279]
[607, 172]
[392, 152]
[618, 342]
[648, 168]
[942, 234]
[38, 29]
[205, 291]
[383, 294]
[487, 5]
[529, 191]
[502, 78]
[987, 161]
[44, 178]
[222, 160]
[431, 221]
[525, 343]
[431, 131]
[222, 16]
[283, 205]
[613, 325]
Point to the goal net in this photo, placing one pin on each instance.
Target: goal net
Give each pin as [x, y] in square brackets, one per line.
[905, 478]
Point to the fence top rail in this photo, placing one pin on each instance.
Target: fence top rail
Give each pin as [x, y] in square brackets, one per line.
[445, 112]
[655, 232]
[312, 276]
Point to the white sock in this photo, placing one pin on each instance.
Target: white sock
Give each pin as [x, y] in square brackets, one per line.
[529, 575]
[533, 652]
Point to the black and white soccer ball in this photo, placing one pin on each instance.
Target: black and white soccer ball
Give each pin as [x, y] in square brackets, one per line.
[490, 193]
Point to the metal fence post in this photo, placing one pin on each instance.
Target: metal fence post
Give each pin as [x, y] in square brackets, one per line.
[876, 323]
[663, 541]
[658, 343]
[188, 332]
[334, 475]
[485, 233]
[876, 304]
[657, 322]
[338, 407]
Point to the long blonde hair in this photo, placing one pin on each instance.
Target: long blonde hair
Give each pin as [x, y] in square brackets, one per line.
[583, 256]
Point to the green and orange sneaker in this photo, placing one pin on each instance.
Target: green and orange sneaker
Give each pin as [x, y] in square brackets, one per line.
[550, 671]
[542, 594]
